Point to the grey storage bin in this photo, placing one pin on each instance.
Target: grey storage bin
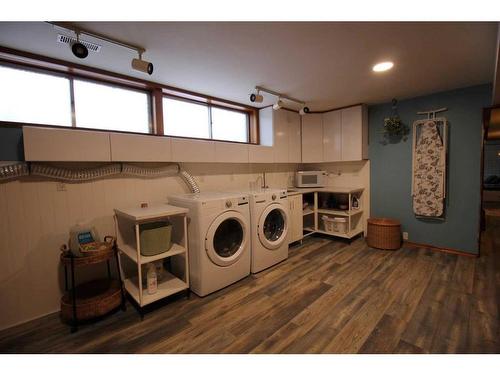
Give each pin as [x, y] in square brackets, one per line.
[155, 237]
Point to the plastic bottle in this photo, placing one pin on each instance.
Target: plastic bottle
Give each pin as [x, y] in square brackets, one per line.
[152, 279]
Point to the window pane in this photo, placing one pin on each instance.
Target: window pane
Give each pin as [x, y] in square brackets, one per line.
[185, 119]
[36, 98]
[229, 125]
[101, 106]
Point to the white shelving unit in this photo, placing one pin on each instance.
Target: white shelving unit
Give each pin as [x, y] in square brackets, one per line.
[127, 228]
[353, 216]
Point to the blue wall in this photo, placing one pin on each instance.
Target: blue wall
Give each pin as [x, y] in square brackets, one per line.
[391, 168]
[11, 144]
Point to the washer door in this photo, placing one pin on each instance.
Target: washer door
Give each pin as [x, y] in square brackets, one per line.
[273, 226]
[226, 238]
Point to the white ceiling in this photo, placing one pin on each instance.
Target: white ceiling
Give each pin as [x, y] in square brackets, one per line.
[326, 64]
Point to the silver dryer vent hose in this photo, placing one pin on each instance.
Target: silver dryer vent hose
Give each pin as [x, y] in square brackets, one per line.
[75, 175]
[13, 170]
[189, 180]
[17, 169]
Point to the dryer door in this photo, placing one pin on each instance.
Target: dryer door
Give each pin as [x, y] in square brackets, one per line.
[273, 226]
[226, 238]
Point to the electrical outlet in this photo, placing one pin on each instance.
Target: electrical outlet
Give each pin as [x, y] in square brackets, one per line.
[61, 186]
[405, 236]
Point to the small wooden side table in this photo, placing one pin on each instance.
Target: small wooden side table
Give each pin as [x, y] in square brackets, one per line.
[94, 298]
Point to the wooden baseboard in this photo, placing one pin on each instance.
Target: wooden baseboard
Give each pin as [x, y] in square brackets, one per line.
[442, 249]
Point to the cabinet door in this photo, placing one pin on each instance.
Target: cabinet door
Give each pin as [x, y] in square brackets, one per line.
[192, 150]
[260, 154]
[226, 152]
[133, 147]
[294, 141]
[332, 136]
[352, 133]
[296, 217]
[50, 144]
[281, 134]
[312, 138]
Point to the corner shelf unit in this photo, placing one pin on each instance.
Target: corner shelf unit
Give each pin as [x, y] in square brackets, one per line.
[175, 280]
[318, 205]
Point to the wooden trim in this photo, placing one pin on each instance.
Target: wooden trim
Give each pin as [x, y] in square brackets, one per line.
[157, 108]
[441, 249]
[338, 108]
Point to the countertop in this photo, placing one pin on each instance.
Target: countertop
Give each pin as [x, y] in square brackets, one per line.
[326, 189]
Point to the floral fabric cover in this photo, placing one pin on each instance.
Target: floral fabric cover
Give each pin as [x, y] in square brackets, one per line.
[429, 172]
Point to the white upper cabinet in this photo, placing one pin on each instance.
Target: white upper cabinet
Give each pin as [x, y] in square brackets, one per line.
[332, 136]
[260, 154]
[193, 150]
[345, 134]
[354, 133]
[280, 131]
[294, 138]
[146, 148]
[226, 152]
[287, 144]
[53, 144]
[312, 138]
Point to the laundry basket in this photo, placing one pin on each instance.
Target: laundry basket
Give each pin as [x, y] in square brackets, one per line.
[155, 237]
[334, 224]
[384, 234]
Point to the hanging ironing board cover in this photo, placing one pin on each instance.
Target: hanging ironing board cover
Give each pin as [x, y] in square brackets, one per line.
[429, 172]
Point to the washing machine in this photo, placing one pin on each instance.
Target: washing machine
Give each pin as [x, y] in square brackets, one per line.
[269, 226]
[219, 239]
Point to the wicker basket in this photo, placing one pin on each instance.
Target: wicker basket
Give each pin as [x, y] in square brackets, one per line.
[93, 299]
[384, 234]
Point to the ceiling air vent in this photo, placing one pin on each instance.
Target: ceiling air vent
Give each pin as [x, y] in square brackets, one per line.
[70, 40]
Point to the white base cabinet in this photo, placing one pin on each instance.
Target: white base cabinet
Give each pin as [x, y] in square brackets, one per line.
[295, 228]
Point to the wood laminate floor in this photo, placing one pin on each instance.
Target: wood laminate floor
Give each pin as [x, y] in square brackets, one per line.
[328, 297]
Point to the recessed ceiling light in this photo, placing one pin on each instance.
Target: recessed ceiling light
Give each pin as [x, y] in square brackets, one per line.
[383, 66]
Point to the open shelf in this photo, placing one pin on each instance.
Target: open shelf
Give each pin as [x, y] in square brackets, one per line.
[168, 286]
[129, 251]
[339, 212]
[307, 211]
[349, 235]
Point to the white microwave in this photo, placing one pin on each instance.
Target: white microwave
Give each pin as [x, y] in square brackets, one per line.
[310, 178]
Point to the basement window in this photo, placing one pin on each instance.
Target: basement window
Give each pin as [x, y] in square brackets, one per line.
[36, 98]
[191, 119]
[102, 106]
[29, 96]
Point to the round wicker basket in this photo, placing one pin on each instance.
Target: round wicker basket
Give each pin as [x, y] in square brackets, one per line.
[94, 298]
[384, 234]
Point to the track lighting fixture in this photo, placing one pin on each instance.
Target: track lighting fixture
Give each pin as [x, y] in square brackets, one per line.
[79, 49]
[278, 104]
[304, 110]
[256, 98]
[142, 65]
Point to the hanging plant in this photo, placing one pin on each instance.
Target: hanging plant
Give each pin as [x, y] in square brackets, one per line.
[394, 129]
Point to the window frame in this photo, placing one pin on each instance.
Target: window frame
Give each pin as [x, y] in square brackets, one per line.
[209, 120]
[23, 60]
[71, 78]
